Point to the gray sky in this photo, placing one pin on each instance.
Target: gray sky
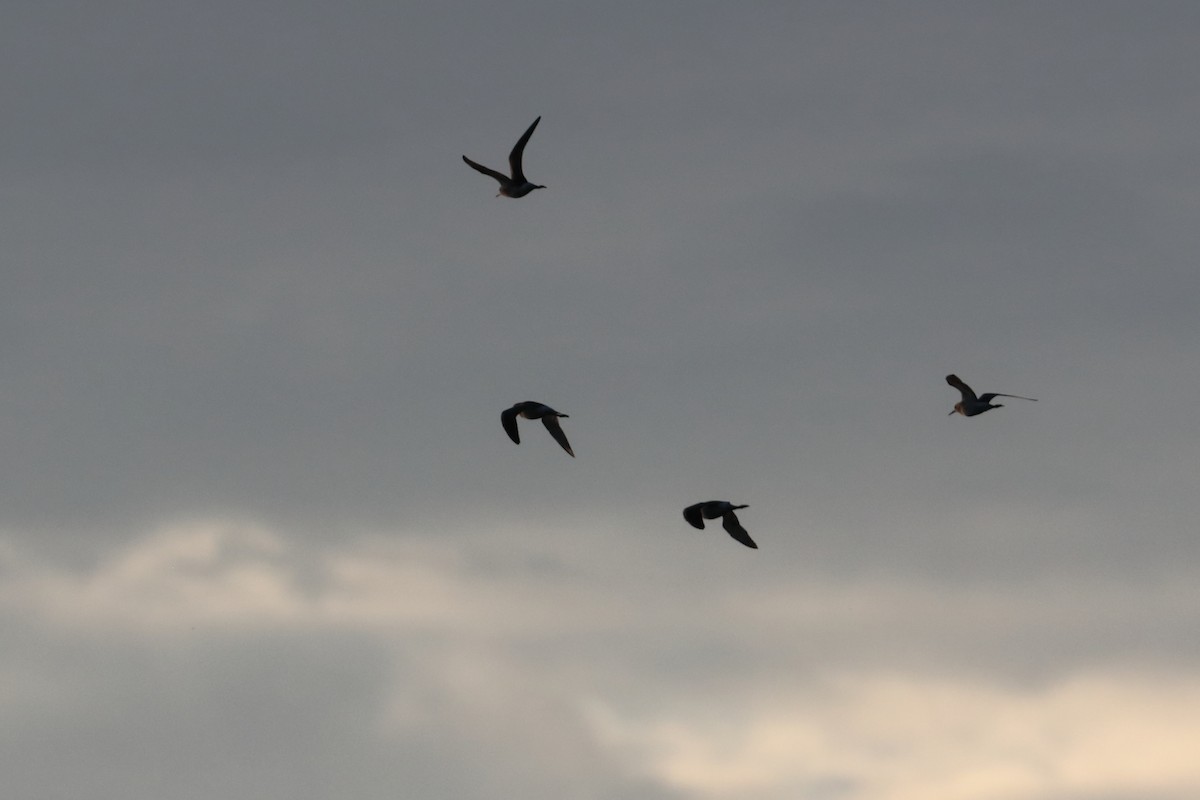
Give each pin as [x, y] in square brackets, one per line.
[262, 535]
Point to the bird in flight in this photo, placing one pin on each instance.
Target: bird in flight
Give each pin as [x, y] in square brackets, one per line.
[970, 405]
[711, 509]
[531, 410]
[517, 185]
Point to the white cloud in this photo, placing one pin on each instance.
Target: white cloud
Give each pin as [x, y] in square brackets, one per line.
[491, 646]
[909, 737]
[233, 574]
[215, 572]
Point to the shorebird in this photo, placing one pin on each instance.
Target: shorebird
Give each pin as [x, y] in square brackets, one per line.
[532, 410]
[711, 509]
[517, 185]
[972, 405]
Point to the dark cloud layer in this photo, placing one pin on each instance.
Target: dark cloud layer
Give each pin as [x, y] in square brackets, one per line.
[247, 277]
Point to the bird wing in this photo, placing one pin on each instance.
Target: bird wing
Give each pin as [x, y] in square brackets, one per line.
[551, 423]
[987, 398]
[734, 528]
[967, 393]
[490, 172]
[694, 515]
[508, 418]
[514, 158]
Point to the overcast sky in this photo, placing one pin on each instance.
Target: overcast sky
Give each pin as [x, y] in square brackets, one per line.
[262, 536]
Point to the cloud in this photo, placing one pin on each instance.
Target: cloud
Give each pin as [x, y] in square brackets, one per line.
[533, 585]
[227, 573]
[529, 663]
[247, 273]
[220, 658]
[906, 737]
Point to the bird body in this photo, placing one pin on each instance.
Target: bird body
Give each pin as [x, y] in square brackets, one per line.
[711, 509]
[531, 410]
[515, 185]
[970, 405]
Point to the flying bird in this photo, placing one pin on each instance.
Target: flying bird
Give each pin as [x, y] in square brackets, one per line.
[531, 410]
[517, 185]
[711, 509]
[972, 405]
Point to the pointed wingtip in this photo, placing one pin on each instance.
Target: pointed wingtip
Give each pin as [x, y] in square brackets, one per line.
[508, 419]
[733, 527]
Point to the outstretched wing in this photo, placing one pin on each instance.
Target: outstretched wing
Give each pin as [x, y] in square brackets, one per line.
[514, 158]
[734, 528]
[551, 423]
[508, 418]
[987, 398]
[694, 515]
[489, 172]
[967, 393]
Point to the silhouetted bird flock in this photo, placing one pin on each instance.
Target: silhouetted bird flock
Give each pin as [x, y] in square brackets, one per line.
[517, 185]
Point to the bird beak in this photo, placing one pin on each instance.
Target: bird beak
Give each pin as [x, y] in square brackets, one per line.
[952, 413]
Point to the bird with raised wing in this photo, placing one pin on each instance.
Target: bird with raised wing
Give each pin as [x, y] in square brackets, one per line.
[711, 509]
[970, 405]
[532, 410]
[515, 185]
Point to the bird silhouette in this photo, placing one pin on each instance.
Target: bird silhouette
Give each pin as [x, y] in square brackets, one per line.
[532, 410]
[970, 405]
[516, 185]
[711, 509]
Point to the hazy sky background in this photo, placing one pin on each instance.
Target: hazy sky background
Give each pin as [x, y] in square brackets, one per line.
[262, 536]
